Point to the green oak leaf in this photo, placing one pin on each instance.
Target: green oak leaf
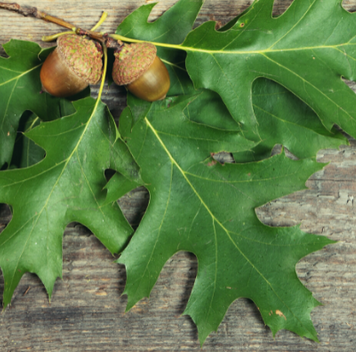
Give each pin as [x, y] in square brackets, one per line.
[208, 208]
[66, 186]
[20, 90]
[171, 27]
[210, 110]
[307, 50]
[283, 119]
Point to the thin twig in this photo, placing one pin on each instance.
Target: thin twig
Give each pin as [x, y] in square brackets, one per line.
[34, 12]
[26, 11]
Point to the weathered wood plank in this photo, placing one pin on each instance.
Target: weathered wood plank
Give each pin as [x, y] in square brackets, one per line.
[87, 308]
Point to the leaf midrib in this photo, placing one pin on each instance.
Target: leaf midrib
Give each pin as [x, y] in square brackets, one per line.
[215, 220]
[19, 76]
[310, 84]
[38, 215]
[251, 52]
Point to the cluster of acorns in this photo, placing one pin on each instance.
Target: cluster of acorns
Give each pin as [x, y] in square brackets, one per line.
[77, 62]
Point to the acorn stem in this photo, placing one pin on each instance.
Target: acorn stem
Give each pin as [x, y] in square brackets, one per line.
[113, 44]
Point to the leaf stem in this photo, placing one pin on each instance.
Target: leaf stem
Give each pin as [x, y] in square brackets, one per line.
[105, 53]
[32, 124]
[51, 38]
[130, 40]
[101, 21]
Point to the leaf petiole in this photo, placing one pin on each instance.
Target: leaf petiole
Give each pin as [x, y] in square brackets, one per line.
[53, 37]
[130, 40]
[101, 21]
[105, 54]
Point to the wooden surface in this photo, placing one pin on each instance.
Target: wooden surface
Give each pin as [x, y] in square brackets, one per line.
[87, 309]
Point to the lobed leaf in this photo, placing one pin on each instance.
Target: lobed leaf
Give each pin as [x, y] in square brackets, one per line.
[280, 116]
[206, 208]
[197, 204]
[20, 90]
[66, 186]
[283, 119]
[307, 50]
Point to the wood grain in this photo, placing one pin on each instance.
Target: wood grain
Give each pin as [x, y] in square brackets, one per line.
[87, 310]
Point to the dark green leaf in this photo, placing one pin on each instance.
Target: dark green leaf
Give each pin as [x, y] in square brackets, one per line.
[283, 119]
[206, 208]
[307, 50]
[20, 90]
[66, 186]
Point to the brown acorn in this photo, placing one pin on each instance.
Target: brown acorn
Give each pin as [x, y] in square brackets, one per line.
[143, 73]
[72, 66]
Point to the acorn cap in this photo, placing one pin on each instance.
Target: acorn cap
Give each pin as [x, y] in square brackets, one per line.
[82, 57]
[132, 61]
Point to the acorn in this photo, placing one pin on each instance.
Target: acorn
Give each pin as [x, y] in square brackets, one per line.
[75, 63]
[137, 67]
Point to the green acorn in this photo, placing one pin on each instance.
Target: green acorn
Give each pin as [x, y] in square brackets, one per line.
[143, 73]
[72, 66]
